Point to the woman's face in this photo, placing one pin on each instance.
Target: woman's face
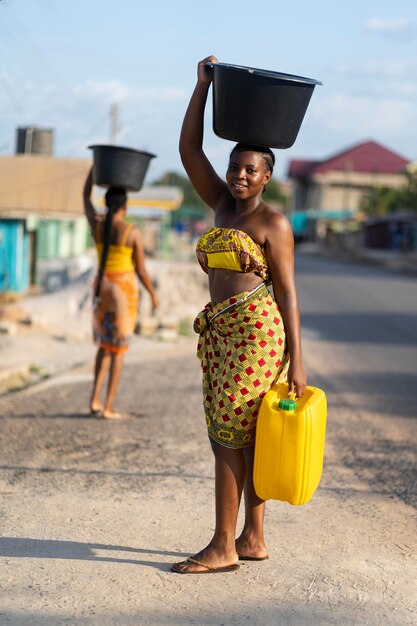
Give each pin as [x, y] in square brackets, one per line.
[247, 174]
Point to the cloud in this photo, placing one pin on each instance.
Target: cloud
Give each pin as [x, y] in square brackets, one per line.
[149, 117]
[382, 78]
[343, 119]
[379, 68]
[400, 28]
[367, 115]
[121, 92]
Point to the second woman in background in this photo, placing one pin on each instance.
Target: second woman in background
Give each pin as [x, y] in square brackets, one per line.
[121, 258]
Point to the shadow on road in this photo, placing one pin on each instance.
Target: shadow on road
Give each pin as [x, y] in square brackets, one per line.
[385, 393]
[98, 472]
[388, 467]
[25, 547]
[86, 415]
[361, 327]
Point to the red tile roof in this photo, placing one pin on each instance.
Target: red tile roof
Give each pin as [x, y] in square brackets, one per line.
[301, 168]
[367, 157]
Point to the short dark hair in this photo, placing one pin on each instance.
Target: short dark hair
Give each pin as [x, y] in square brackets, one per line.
[115, 198]
[264, 151]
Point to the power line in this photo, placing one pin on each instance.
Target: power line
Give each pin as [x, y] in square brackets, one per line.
[9, 92]
[35, 51]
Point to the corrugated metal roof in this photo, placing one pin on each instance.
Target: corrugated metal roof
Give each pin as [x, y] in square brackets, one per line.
[47, 186]
[42, 184]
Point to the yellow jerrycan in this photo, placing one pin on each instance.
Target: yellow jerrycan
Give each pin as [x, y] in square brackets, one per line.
[289, 445]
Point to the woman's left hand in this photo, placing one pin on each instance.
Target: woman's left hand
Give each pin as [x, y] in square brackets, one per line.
[297, 378]
[155, 303]
[205, 73]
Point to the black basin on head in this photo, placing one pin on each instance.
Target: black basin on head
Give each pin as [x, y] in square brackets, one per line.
[257, 106]
[116, 166]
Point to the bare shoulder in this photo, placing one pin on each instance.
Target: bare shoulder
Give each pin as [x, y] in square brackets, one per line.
[276, 224]
[135, 236]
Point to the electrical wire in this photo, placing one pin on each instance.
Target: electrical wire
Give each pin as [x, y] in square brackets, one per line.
[27, 60]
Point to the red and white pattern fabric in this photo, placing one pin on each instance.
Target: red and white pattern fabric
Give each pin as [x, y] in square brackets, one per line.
[243, 352]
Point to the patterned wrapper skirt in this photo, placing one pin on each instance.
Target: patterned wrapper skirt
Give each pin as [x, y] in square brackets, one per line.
[114, 316]
[242, 349]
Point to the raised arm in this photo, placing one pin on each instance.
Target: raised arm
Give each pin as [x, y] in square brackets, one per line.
[140, 267]
[280, 254]
[206, 182]
[88, 205]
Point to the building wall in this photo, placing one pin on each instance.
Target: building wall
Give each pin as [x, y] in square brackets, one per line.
[340, 190]
[341, 197]
[61, 250]
[64, 252]
[14, 256]
[62, 239]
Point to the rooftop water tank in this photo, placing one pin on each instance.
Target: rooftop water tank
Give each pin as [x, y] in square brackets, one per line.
[34, 140]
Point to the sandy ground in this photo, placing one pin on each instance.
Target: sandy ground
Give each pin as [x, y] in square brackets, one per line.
[51, 333]
[94, 512]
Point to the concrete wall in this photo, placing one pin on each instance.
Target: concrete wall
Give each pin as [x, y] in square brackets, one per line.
[14, 256]
[340, 190]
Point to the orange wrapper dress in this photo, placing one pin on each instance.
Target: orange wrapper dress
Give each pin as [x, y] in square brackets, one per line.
[114, 316]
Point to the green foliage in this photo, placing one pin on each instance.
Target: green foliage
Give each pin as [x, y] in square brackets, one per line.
[383, 200]
[410, 192]
[191, 197]
[274, 193]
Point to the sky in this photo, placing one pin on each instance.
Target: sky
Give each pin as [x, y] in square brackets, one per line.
[64, 64]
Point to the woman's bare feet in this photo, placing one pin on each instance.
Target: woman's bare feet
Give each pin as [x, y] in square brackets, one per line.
[208, 561]
[112, 415]
[96, 408]
[251, 549]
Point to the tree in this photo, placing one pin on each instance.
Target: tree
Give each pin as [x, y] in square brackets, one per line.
[383, 200]
[191, 197]
[274, 193]
[410, 191]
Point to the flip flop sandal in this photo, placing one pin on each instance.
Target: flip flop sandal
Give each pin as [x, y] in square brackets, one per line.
[242, 557]
[209, 569]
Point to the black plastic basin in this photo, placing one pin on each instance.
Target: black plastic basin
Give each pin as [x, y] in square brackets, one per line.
[115, 166]
[257, 106]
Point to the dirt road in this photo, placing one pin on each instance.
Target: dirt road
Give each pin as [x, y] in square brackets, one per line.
[94, 512]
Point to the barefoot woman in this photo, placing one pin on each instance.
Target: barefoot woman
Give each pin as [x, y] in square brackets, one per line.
[248, 339]
[121, 256]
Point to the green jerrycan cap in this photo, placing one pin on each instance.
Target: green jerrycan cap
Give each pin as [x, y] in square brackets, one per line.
[286, 404]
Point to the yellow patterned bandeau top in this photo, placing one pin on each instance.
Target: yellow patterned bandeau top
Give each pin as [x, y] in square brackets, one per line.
[232, 249]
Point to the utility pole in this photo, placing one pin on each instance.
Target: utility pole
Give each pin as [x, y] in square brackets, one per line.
[114, 123]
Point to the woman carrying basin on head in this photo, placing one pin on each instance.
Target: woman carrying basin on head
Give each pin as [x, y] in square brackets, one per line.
[121, 258]
[248, 339]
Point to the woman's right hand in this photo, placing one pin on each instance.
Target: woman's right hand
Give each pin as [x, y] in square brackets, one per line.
[204, 72]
